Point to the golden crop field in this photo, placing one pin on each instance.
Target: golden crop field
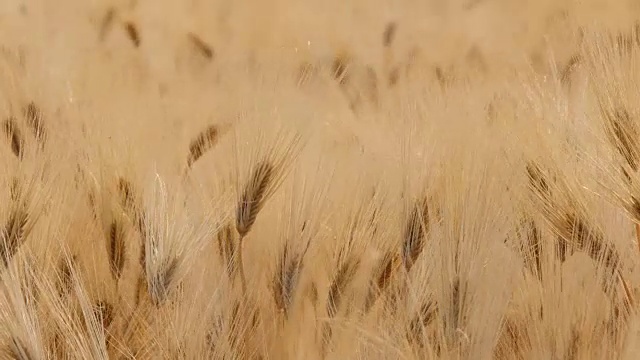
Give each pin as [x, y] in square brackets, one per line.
[278, 179]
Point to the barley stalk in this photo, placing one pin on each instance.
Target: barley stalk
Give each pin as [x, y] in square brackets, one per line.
[249, 205]
[19, 351]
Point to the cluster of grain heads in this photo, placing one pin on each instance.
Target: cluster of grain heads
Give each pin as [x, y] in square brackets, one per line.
[362, 83]
[34, 119]
[387, 270]
[404, 276]
[574, 232]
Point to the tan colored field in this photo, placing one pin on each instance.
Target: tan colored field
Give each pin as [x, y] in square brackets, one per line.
[320, 179]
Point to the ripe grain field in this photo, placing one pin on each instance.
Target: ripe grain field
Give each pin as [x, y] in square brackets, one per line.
[277, 179]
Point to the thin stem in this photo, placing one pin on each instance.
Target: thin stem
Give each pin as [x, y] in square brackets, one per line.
[240, 263]
[638, 235]
[627, 291]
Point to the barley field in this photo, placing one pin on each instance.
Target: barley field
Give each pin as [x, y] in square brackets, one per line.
[337, 179]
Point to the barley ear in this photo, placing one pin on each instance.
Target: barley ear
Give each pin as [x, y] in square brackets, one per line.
[132, 33]
[103, 311]
[116, 248]
[382, 278]
[537, 180]
[250, 204]
[421, 320]
[340, 69]
[126, 192]
[286, 280]
[203, 48]
[624, 136]
[14, 135]
[227, 250]
[65, 274]
[13, 234]
[340, 283]
[162, 281]
[34, 119]
[253, 197]
[106, 23]
[202, 143]
[389, 34]
[415, 231]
